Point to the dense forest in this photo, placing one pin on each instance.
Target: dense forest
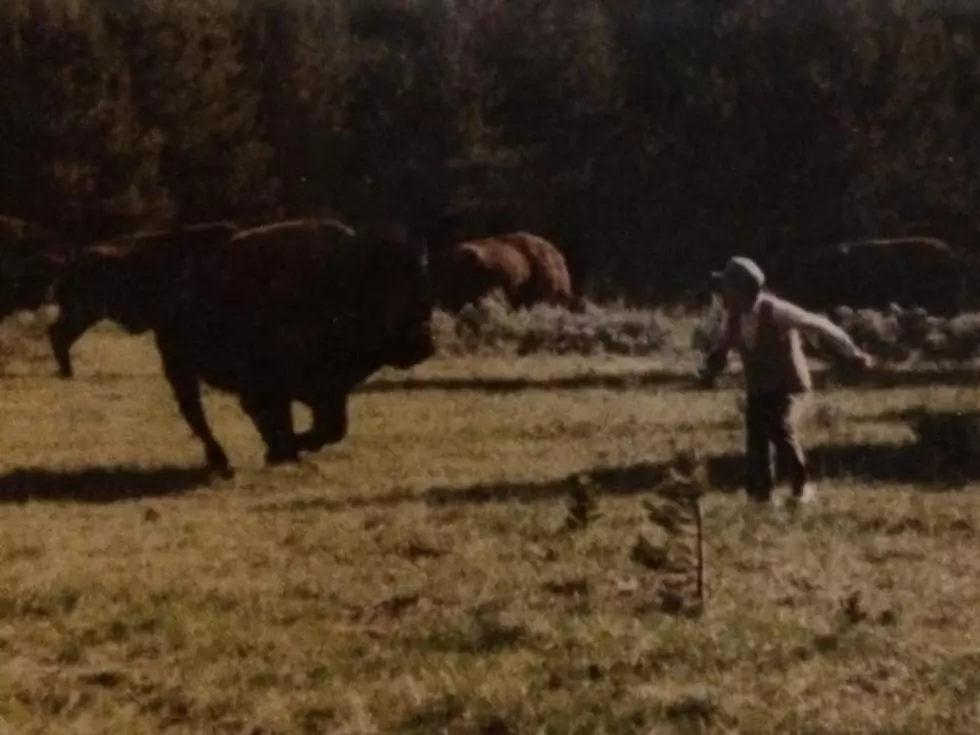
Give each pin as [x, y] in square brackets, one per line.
[647, 138]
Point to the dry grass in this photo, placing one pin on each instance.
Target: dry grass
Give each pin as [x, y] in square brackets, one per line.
[420, 577]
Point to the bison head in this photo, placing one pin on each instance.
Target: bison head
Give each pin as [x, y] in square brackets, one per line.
[399, 292]
[28, 267]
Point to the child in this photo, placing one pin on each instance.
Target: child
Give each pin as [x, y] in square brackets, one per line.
[765, 331]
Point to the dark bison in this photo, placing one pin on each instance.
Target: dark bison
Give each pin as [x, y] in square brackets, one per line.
[30, 260]
[125, 280]
[296, 311]
[873, 274]
[527, 268]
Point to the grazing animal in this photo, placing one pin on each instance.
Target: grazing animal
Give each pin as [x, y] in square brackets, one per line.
[295, 311]
[30, 260]
[528, 269]
[126, 280]
[913, 272]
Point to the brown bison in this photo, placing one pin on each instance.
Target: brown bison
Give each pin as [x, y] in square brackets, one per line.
[125, 280]
[296, 311]
[527, 268]
[873, 274]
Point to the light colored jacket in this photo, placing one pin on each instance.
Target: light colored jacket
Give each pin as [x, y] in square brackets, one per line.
[767, 338]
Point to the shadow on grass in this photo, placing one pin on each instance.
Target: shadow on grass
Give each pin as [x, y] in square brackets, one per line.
[99, 485]
[900, 464]
[677, 380]
[513, 384]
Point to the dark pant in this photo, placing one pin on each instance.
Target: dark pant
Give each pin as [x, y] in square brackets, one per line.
[771, 419]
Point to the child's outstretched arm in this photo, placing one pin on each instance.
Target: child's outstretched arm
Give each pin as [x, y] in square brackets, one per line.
[791, 315]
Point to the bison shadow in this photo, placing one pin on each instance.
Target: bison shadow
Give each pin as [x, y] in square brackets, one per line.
[896, 464]
[622, 381]
[99, 484]
[873, 380]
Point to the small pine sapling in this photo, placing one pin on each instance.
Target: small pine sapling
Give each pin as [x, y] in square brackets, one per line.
[678, 514]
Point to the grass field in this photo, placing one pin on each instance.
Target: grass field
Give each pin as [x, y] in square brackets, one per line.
[418, 578]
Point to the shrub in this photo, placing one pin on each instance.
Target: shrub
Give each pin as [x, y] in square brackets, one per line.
[492, 327]
[900, 335]
[880, 333]
[961, 337]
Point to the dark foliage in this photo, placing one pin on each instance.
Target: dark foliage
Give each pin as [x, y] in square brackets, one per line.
[648, 139]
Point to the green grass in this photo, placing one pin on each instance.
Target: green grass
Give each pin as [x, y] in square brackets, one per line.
[418, 578]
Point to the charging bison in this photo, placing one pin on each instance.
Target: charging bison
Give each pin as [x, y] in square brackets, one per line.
[910, 272]
[126, 280]
[30, 260]
[295, 311]
[527, 268]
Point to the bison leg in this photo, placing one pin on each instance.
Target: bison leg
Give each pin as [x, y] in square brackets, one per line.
[273, 418]
[186, 387]
[65, 331]
[329, 423]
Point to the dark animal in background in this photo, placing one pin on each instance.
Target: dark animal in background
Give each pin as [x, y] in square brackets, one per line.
[912, 272]
[126, 280]
[297, 311]
[528, 269]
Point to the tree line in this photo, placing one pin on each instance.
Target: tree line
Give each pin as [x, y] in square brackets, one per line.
[648, 138]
